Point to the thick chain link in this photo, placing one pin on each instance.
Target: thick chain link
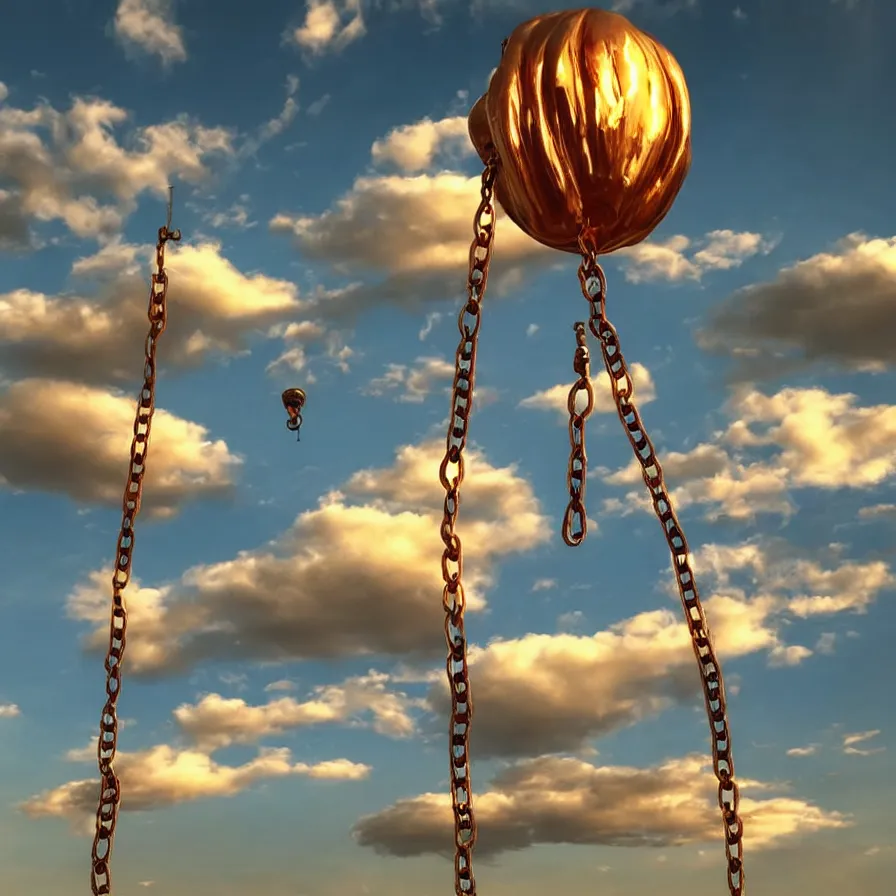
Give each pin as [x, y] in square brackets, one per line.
[110, 787]
[453, 599]
[575, 520]
[594, 288]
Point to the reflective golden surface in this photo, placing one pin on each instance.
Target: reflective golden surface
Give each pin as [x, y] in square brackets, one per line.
[591, 121]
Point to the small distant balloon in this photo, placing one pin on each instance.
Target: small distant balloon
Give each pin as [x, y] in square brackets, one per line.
[293, 402]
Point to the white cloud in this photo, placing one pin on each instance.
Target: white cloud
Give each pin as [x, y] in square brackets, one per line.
[183, 464]
[800, 752]
[414, 383]
[550, 800]
[799, 318]
[9, 711]
[544, 584]
[326, 587]
[851, 743]
[414, 147]
[147, 26]
[329, 26]
[680, 258]
[555, 398]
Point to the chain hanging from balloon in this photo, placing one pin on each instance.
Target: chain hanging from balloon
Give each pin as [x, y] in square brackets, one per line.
[585, 135]
[107, 744]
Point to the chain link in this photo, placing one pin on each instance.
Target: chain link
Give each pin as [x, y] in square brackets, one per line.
[110, 786]
[575, 520]
[453, 600]
[594, 288]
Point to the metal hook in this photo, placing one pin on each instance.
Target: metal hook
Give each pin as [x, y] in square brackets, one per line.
[169, 233]
[293, 402]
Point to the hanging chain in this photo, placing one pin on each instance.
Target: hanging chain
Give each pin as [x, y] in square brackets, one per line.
[575, 520]
[110, 786]
[453, 599]
[594, 288]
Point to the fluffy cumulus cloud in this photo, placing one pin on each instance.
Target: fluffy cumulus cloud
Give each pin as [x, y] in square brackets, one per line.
[555, 398]
[796, 438]
[327, 587]
[164, 776]
[148, 27]
[555, 693]
[378, 226]
[681, 258]
[552, 800]
[215, 722]
[412, 383]
[329, 26]
[415, 147]
[837, 307]
[96, 334]
[72, 439]
[404, 239]
[72, 167]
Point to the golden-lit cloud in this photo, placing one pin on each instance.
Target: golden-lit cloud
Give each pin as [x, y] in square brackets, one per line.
[329, 26]
[216, 722]
[165, 776]
[329, 586]
[681, 258]
[552, 800]
[554, 693]
[73, 167]
[555, 398]
[71, 439]
[414, 233]
[148, 27]
[818, 440]
[415, 147]
[837, 307]
[97, 336]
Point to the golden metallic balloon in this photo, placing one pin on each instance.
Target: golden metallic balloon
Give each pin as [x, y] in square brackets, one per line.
[591, 122]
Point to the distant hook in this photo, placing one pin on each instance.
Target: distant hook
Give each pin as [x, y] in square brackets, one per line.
[293, 402]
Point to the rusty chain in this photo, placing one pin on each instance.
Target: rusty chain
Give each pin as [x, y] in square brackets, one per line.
[575, 520]
[594, 288]
[110, 786]
[453, 600]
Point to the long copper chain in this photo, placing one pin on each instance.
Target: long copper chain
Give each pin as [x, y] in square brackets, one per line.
[453, 599]
[575, 520]
[594, 288]
[110, 787]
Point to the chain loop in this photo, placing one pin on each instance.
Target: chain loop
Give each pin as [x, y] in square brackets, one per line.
[110, 786]
[453, 599]
[575, 520]
[594, 288]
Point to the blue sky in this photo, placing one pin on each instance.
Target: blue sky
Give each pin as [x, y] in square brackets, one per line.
[283, 697]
